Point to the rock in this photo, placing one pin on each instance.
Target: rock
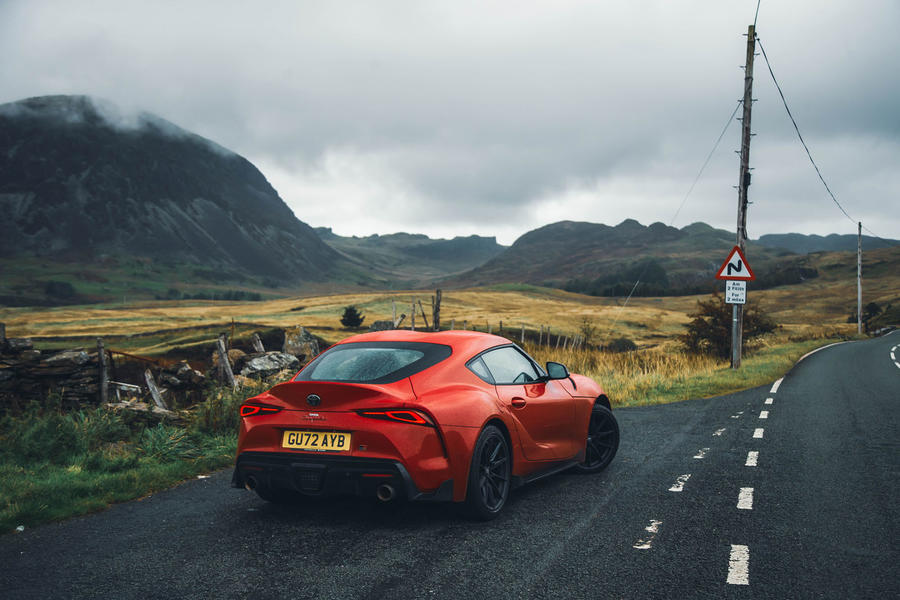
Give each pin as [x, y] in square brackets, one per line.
[67, 358]
[265, 365]
[181, 376]
[300, 343]
[236, 357]
[381, 325]
[17, 345]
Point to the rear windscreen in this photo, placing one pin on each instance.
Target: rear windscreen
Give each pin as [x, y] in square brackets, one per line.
[373, 362]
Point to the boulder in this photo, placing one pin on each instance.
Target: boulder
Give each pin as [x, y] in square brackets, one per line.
[300, 343]
[260, 366]
[236, 357]
[181, 376]
[381, 325]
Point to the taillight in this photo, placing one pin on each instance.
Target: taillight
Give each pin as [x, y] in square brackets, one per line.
[413, 417]
[251, 410]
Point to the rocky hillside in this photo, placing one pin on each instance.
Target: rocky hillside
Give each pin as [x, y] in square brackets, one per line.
[414, 259]
[605, 260]
[806, 244]
[80, 181]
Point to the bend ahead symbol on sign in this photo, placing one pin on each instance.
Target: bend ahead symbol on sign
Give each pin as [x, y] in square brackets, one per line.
[736, 267]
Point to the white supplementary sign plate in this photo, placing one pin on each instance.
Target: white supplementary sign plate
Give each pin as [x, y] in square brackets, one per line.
[735, 292]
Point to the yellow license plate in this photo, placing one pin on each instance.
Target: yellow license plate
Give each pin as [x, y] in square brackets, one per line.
[316, 440]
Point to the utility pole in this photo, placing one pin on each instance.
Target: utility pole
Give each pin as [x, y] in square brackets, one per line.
[737, 314]
[859, 280]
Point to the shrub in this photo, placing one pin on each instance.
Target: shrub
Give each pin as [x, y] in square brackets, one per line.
[351, 317]
[709, 331]
[164, 443]
[621, 344]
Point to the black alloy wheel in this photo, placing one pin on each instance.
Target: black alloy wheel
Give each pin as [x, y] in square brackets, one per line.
[489, 475]
[602, 440]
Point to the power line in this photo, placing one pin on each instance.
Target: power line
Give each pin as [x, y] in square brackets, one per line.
[756, 16]
[677, 212]
[802, 141]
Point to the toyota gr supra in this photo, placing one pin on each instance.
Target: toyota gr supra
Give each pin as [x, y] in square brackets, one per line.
[454, 416]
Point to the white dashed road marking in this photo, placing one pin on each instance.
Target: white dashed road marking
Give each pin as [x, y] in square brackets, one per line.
[752, 457]
[758, 433]
[775, 386]
[679, 483]
[738, 415]
[769, 400]
[745, 499]
[719, 432]
[646, 542]
[763, 414]
[701, 453]
[739, 565]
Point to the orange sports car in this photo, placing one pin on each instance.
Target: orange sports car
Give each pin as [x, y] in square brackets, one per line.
[454, 416]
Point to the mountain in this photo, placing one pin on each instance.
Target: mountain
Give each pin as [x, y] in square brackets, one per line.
[806, 244]
[604, 260]
[414, 259]
[84, 182]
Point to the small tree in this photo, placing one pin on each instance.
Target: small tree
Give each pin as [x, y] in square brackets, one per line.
[588, 330]
[709, 331]
[352, 317]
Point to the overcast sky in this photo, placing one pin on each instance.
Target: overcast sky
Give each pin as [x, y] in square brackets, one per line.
[494, 118]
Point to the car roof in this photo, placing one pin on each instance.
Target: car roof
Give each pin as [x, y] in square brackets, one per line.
[465, 342]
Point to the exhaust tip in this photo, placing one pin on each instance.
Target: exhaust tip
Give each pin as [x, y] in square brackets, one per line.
[251, 483]
[385, 492]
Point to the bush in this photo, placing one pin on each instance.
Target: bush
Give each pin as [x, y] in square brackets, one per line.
[709, 331]
[351, 317]
[621, 344]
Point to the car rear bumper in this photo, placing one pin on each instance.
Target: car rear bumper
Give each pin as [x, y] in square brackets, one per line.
[330, 475]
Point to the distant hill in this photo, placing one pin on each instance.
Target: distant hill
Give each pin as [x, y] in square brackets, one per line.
[806, 244]
[603, 260]
[83, 183]
[414, 259]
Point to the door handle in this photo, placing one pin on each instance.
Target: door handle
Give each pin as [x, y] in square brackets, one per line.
[518, 402]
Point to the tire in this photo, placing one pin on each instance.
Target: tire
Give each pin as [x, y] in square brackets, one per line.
[489, 475]
[602, 441]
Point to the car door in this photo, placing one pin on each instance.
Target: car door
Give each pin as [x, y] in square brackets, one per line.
[542, 410]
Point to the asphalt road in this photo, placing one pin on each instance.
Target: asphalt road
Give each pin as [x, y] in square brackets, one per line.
[816, 517]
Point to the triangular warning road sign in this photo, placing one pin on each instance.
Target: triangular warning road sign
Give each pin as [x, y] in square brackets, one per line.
[736, 267]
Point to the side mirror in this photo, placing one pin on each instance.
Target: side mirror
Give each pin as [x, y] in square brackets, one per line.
[557, 370]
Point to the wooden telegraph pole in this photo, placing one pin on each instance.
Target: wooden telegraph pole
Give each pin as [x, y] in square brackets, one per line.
[737, 315]
[859, 280]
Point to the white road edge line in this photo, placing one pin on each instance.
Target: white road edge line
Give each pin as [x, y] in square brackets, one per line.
[719, 432]
[739, 565]
[701, 453]
[769, 400]
[752, 457]
[777, 384]
[763, 414]
[646, 543]
[758, 433]
[745, 499]
[679, 483]
[818, 349]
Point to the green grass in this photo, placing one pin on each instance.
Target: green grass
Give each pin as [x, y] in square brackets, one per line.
[56, 465]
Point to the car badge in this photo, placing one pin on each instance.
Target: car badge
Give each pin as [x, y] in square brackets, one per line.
[313, 400]
[314, 417]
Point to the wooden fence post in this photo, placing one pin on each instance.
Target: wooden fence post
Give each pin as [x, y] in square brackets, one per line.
[452, 323]
[224, 363]
[257, 343]
[540, 335]
[436, 309]
[465, 325]
[489, 327]
[424, 318]
[154, 391]
[2, 333]
[412, 316]
[394, 313]
[104, 375]
[522, 340]
[558, 337]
